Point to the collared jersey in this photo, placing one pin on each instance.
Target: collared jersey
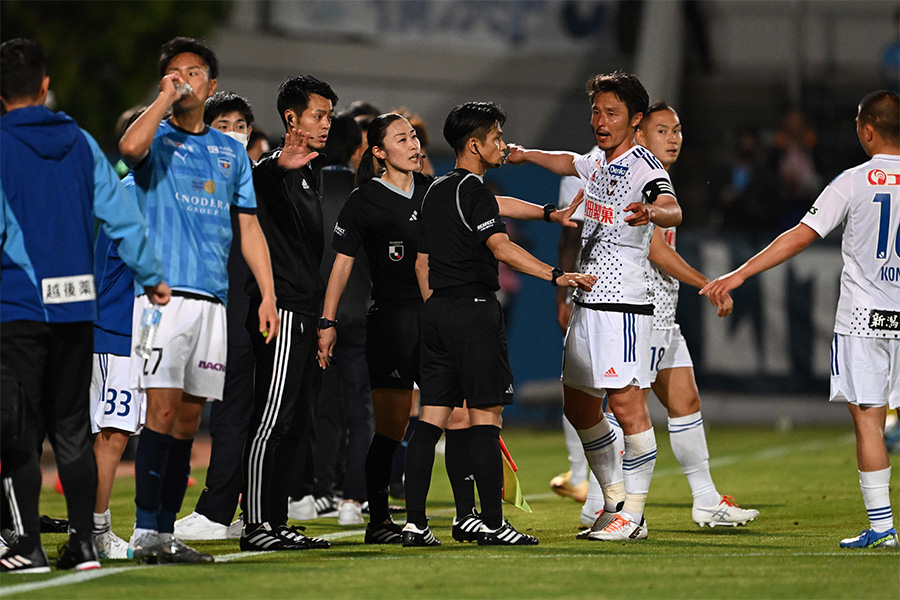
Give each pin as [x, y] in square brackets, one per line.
[866, 200]
[384, 220]
[612, 249]
[458, 215]
[186, 187]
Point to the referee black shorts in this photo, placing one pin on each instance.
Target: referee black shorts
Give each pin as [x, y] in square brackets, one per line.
[464, 352]
[392, 344]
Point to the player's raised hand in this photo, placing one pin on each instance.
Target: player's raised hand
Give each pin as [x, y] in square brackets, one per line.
[564, 216]
[718, 292]
[582, 281]
[516, 154]
[642, 214]
[295, 153]
[169, 86]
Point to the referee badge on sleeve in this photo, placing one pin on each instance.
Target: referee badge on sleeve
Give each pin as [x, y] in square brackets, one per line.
[395, 251]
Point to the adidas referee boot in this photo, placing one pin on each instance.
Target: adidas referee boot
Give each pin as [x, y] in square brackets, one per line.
[413, 536]
[467, 528]
[387, 532]
[505, 535]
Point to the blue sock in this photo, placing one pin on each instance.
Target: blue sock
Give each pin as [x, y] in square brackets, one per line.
[149, 469]
[174, 484]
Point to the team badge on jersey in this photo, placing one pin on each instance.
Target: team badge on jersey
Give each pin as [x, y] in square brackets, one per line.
[395, 251]
[879, 177]
[611, 187]
[224, 165]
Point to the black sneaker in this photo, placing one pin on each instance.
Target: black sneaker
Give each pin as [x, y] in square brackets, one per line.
[413, 536]
[467, 528]
[505, 535]
[263, 538]
[78, 553]
[384, 533]
[327, 506]
[295, 535]
[19, 559]
[173, 551]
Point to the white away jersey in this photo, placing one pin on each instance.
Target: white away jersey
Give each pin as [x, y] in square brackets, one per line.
[867, 200]
[665, 289]
[610, 248]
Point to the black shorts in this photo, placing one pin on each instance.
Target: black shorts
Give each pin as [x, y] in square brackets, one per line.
[392, 344]
[464, 352]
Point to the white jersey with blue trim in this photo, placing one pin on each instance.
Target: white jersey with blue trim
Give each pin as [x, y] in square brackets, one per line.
[186, 187]
[665, 288]
[866, 200]
[611, 249]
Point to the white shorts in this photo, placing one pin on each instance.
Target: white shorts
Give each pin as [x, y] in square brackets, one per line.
[865, 371]
[116, 405]
[668, 350]
[606, 351]
[189, 350]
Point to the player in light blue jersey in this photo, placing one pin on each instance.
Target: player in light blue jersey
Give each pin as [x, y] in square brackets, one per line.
[188, 178]
[865, 353]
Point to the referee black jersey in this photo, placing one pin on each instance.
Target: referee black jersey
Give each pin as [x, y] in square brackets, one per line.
[458, 215]
[383, 219]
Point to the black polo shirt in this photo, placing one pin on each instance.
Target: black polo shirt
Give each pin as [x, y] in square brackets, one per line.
[458, 215]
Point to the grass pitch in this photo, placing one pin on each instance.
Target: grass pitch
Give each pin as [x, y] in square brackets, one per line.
[804, 483]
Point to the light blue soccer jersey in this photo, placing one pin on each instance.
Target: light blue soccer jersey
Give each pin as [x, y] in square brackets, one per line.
[187, 187]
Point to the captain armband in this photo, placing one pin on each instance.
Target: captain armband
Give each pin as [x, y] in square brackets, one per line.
[656, 188]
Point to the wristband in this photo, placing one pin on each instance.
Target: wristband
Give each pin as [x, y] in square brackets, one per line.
[326, 323]
[548, 210]
[555, 274]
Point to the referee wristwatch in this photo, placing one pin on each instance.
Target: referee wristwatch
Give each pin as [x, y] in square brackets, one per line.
[326, 323]
[549, 209]
[555, 274]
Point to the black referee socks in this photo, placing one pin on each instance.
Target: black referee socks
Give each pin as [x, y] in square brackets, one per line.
[457, 458]
[487, 465]
[419, 462]
[379, 464]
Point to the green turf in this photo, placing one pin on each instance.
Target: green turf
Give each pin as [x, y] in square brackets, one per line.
[804, 483]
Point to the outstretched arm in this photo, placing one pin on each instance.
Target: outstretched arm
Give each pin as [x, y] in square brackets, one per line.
[787, 245]
[559, 162]
[507, 251]
[514, 208]
[666, 259]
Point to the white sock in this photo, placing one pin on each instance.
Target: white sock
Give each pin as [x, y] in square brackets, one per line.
[138, 532]
[620, 434]
[598, 445]
[577, 462]
[102, 522]
[637, 467]
[874, 486]
[688, 441]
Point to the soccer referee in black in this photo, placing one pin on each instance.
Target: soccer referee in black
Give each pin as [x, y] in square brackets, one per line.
[464, 354]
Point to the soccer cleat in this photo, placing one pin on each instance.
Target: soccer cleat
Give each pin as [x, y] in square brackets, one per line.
[265, 539]
[350, 513]
[869, 538]
[19, 559]
[199, 527]
[145, 547]
[603, 519]
[173, 551]
[235, 530]
[413, 536]
[327, 506]
[78, 553]
[620, 528]
[505, 535]
[562, 485]
[467, 528]
[295, 534]
[726, 513]
[385, 533]
[303, 509]
[109, 545]
[590, 511]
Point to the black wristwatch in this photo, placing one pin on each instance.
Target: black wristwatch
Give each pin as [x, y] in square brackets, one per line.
[555, 274]
[326, 323]
[548, 210]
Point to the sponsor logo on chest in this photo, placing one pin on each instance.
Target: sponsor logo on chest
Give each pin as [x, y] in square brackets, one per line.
[604, 214]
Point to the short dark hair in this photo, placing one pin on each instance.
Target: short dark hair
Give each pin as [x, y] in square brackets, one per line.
[362, 108]
[472, 119]
[344, 138]
[180, 45]
[295, 92]
[655, 106]
[223, 103]
[881, 110]
[24, 66]
[625, 86]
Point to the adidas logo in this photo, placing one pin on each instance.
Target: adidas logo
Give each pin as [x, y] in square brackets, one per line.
[611, 373]
[414, 216]
[509, 390]
[395, 374]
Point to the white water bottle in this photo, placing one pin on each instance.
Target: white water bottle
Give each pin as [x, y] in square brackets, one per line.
[147, 331]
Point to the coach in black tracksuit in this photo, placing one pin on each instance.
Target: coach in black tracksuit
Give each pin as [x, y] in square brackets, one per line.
[463, 338]
[289, 208]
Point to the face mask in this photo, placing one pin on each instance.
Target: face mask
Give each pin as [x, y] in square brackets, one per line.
[243, 138]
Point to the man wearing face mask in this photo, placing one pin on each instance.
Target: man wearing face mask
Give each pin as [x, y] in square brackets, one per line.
[229, 419]
[278, 452]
